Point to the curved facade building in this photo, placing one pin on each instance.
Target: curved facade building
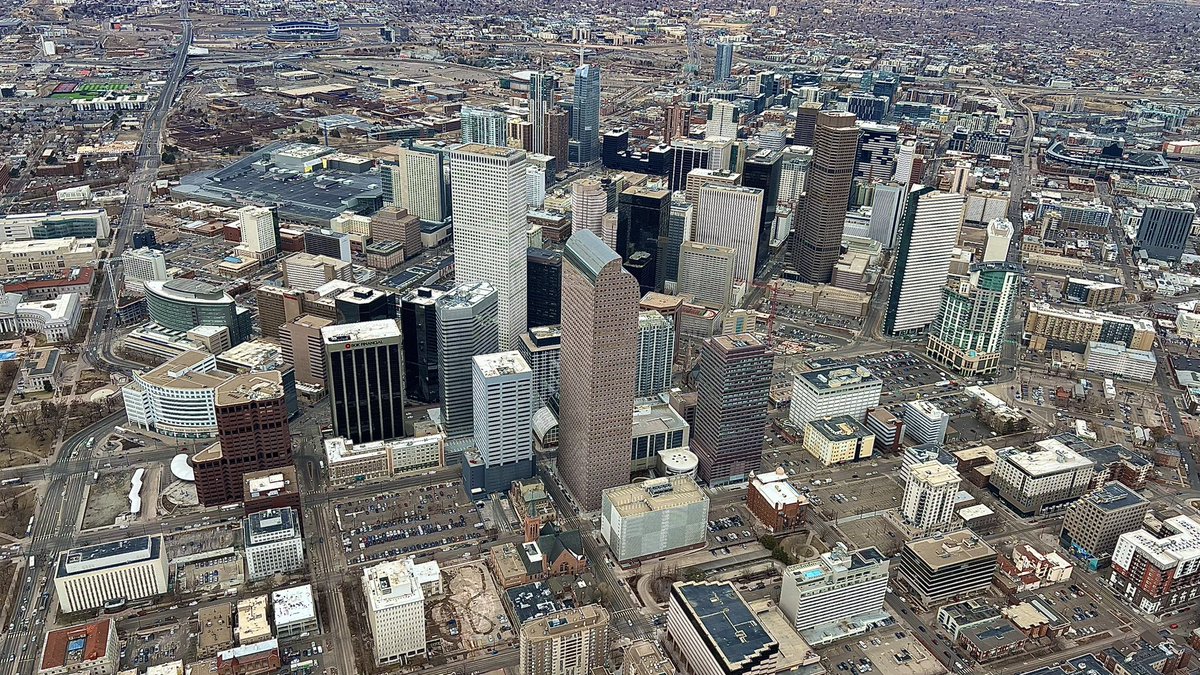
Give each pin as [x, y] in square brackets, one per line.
[176, 399]
[304, 31]
[183, 304]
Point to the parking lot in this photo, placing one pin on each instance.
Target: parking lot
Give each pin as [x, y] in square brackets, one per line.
[1074, 604]
[889, 650]
[153, 646]
[413, 520]
[864, 493]
[729, 531]
[209, 575]
[900, 371]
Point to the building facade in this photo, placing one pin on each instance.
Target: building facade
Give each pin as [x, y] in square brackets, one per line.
[732, 392]
[928, 233]
[132, 569]
[837, 586]
[653, 517]
[466, 327]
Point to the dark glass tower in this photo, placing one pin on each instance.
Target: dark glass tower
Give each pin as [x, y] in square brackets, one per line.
[585, 114]
[762, 170]
[364, 371]
[543, 287]
[643, 226]
[418, 326]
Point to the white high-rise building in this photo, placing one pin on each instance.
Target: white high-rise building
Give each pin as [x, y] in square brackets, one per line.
[722, 120]
[258, 231]
[466, 327]
[490, 241]
[929, 232]
[886, 210]
[487, 127]
[272, 542]
[535, 185]
[502, 386]
[929, 495]
[656, 351]
[999, 237]
[924, 422]
[904, 162]
[730, 216]
[589, 203]
[142, 264]
[395, 611]
[706, 273]
[831, 392]
[793, 173]
[839, 585]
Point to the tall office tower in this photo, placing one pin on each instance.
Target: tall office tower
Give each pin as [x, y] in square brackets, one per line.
[706, 273]
[972, 320]
[928, 502]
[502, 388]
[484, 127]
[679, 230]
[252, 435]
[417, 183]
[520, 134]
[541, 98]
[585, 114]
[589, 203]
[876, 152]
[571, 642]
[466, 327]
[730, 216]
[643, 232]
[806, 123]
[600, 308]
[259, 238]
[678, 121]
[395, 593]
[999, 239]
[418, 326]
[142, 264]
[302, 349]
[535, 187]
[698, 178]
[1164, 230]
[960, 180]
[724, 64]
[328, 243]
[732, 387]
[690, 154]
[928, 233]
[545, 287]
[763, 170]
[905, 154]
[540, 348]
[817, 241]
[655, 352]
[364, 368]
[793, 173]
[722, 120]
[558, 137]
[489, 229]
[358, 304]
[886, 211]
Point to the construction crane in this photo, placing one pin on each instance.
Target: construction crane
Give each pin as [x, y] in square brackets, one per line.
[691, 67]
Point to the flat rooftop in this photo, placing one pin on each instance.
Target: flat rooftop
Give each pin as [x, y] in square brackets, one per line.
[725, 622]
[951, 549]
[250, 387]
[73, 647]
[1113, 497]
[1049, 457]
[359, 332]
[293, 605]
[840, 428]
[657, 494]
[836, 377]
[106, 556]
[500, 364]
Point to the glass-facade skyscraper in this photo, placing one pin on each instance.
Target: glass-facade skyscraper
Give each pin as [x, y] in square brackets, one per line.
[585, 115]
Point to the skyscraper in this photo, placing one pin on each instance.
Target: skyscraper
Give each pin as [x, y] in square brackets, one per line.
[490, 242]
[806, 122]
[571, 642]
[589, 203]
[502, 387]
[817, 242]
[585, 114]
[678, 121]
[541, 98]
[706, 273]
[600, 308]
[418, 325]
[929, 494]
[876, 152]
[905, 154]
[485, 127]
[698, 178]
[544, 287]
[928, 233]
[655, 352]
[972, 320]
[763, 170]
[466, 327]
[730, 216]
[1164, 229]
[887, 208]
[724, 63]
[540, 348]
[258, 232]
[558, 137]
[722, 120]
[416, 182]
[643, 226]
[679, 230]
[364, 366]
[732, 388]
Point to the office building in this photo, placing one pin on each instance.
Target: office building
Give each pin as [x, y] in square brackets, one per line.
[539, 347]
[655, 354]
[260, 231]
[416, 183]
[600, 306]
[763, 170]
[1157, 573]
[1093, 523]
[569, 642]
[661, 439]
[831, 392]
[273, 543]
[972, 320]
[585, 114]
[679, 230]
[1053, 327]
[1092, 292]
[722, 120]
[724, 62]
[775, 502]
[1164, 230]
[653, 517]
[999, 240]
[729, 216]
[541, 98]
[140, 265]
[700, 177]
[1120, 361]
[364, 367]
[837, 586]
[836, 440]
[928, 234]
[418, 330]
[360, 304]
[87, 649]
[303, 350]
[732, 389]
[558, 137]
[176, 399]
[183, 304]
[712, 631]
[876, 152]
[924, 422]
[324, 242]
[906, 160]
[395, 610]
[295, 611]
[643, 232]
[887, 210]
[689, 154]
[251, 413]
[817, 236]
[589, 203]
[130, 569]
[929, 494]
[706, 272]
[39, 256]
[544, 291]
[349, 462]
[1048, 477]
[502, 387]
[306, 271]
[395, 235]
[466, 327]
[271, 489]
[484, 127]
[84, 223]
[944, 567]
[490, 244]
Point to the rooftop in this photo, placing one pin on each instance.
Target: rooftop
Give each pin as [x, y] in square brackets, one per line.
[250, 387]
[500, 364]
[391, 583]
[825, 379]
[776, 490]
[834, 562]
[950, 549]
[1112, 497]
[726, 625]
[1181, 547]
[841, 428]
[656, 494]
[934, 474]
[1049, 457]
[359, 332]
[112, 554]
[293, 605]
[77, 645]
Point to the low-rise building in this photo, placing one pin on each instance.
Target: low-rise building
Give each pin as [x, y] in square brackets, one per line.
[253, 624]
[888, 429]
[831, 392]
[257, 658]
[348, 462]
[295, 611]
[955, 565]
[836, 440]
[777, 504]
[1116, 360]
[214, 631]
[54, 319]
[959, 616]
[88, 649]
[653, 517]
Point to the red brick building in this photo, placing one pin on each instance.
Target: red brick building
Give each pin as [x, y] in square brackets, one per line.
[252, 659]
[777, 504]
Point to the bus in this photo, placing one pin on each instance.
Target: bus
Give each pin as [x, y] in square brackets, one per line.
[90, 442]
[31, 561]
[10, 481]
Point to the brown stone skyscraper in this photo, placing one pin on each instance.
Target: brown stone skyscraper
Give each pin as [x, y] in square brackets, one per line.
[598, 367]
[558, 136]
[817, 242]
[732, 389]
